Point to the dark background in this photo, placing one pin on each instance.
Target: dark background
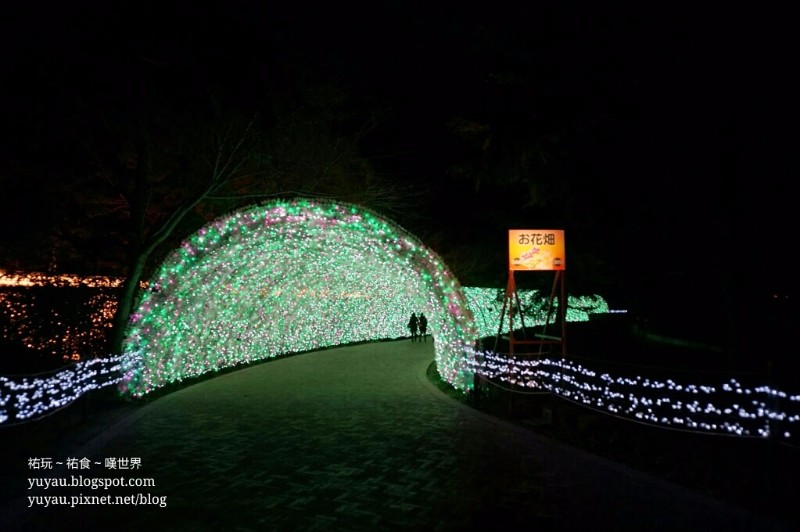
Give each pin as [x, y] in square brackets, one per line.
[663, 139]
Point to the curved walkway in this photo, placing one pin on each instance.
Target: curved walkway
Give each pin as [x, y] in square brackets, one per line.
[356, 438]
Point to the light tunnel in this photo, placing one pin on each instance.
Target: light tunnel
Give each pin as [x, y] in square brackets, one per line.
[287, 277]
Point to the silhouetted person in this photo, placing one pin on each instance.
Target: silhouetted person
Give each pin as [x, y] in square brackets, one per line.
[423, 326]
[412, 326]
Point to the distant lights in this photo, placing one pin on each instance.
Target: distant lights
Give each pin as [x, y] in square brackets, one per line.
[13, 279]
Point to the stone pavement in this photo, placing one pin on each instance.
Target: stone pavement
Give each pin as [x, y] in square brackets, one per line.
[354, 438]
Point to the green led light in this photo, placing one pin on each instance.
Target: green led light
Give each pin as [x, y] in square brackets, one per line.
[291, 276]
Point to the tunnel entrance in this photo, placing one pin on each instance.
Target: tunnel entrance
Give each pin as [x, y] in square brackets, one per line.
[286, 277]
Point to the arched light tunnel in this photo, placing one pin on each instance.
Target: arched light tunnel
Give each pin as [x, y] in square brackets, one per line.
[287, 277]
[293, 276]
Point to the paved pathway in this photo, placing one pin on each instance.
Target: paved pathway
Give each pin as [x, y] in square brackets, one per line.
[356, 438]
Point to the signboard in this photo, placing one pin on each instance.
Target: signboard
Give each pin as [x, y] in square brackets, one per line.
[536, 250]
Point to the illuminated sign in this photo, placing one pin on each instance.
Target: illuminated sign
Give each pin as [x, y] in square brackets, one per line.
[536, 250]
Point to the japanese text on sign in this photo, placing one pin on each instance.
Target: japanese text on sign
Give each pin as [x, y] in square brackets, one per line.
[536, 250]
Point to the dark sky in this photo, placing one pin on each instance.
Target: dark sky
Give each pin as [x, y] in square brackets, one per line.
[683, 120]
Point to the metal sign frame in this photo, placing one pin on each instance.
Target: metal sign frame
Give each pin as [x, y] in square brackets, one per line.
[511, 297]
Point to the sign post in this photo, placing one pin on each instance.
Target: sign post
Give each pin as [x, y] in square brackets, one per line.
[535, 250]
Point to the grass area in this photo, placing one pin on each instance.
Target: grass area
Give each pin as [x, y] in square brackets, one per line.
[760, 475]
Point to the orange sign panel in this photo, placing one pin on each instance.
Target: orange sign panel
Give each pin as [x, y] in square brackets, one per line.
[536, 250]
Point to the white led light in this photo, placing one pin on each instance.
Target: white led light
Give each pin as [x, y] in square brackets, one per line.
[635, 399]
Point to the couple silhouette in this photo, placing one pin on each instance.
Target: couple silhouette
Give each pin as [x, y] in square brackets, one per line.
[418, 327]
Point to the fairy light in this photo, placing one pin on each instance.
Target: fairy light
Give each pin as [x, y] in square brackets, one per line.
[486, 305]
[293, 276]
[286, 277]
[730, 408]
[75, 326]
[4, 400]
[26, 398]
[57, 320]
[15, 279]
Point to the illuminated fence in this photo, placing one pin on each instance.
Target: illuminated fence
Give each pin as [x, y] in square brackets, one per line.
[728, 408]
[30, 397]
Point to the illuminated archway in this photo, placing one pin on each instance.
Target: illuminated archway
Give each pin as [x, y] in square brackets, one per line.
[286, 277]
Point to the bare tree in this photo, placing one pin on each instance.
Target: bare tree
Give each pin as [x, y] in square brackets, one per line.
[160, 181]
[227, 161]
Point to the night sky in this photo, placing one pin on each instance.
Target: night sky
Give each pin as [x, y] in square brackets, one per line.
[663, 139]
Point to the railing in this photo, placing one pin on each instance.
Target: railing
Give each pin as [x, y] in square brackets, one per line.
[31, 397]
[727, 407]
